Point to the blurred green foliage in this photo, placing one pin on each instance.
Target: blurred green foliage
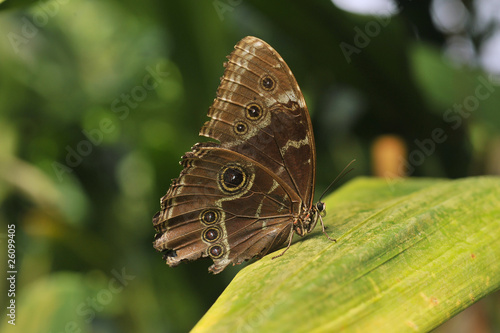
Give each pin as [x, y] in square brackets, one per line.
[99, 99]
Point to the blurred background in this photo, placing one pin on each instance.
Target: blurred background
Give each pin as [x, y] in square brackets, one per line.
[99, 99]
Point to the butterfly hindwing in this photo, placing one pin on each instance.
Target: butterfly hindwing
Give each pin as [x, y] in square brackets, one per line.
[222, 206]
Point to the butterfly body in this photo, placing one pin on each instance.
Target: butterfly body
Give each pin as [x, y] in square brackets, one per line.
[246, 195]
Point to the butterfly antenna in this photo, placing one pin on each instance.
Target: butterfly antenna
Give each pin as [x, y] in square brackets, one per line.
[339, 177]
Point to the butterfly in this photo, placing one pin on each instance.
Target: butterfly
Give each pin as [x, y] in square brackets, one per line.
[246, 195]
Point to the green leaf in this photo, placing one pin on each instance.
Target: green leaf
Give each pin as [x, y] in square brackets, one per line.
[409, 255]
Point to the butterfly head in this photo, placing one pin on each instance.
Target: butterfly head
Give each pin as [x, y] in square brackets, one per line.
[321, 208]
[316, 212]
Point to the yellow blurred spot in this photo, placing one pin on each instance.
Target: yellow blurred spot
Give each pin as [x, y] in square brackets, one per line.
[388, 152]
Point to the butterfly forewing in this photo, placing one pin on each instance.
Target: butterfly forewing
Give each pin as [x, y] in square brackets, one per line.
[260, 112]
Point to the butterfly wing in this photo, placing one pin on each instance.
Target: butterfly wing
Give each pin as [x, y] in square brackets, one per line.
[260, 112]
[224, 206]
[239, 199]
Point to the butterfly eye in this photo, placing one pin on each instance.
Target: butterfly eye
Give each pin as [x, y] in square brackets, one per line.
[215, 251]
[240, 128]
[320, 206]
[254, 111]
[211, 235]
[268, 83]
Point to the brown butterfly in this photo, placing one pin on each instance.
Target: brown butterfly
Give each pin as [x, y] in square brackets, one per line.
[246, 196]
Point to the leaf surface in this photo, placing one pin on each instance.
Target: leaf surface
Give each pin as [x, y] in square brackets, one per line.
[409, 255]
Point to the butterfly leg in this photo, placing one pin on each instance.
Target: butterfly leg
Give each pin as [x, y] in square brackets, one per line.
[290, 237]
[323, 228]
